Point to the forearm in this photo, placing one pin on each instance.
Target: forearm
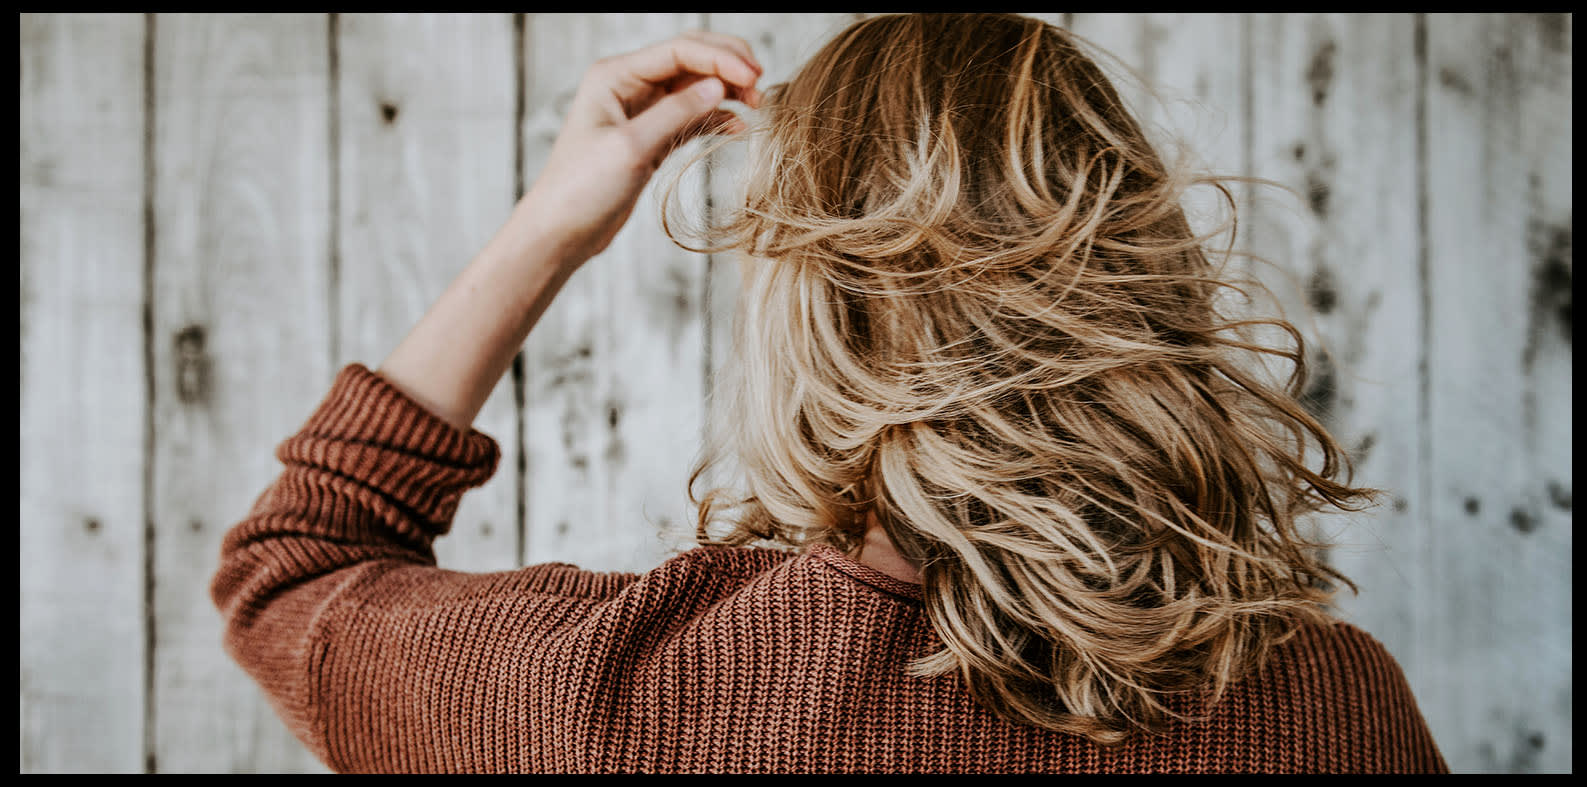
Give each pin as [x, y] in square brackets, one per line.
[455, 355]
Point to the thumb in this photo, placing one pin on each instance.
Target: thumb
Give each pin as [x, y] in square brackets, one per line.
[657, 128]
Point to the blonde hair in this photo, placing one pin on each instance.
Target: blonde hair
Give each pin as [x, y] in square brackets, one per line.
[974, 308]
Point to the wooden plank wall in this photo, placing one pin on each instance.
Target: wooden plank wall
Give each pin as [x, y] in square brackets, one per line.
[85, 395]
[241, 217]
[219, 211]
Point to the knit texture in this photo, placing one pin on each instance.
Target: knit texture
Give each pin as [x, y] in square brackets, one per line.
[719, 660]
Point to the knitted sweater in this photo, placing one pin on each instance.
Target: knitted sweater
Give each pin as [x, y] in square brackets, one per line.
[720, 659]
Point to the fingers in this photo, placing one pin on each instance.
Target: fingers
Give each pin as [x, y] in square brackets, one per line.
[739, 46]
[658, 128]
[689, 55]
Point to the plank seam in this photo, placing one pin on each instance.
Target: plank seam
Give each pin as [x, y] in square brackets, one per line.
[149, 738]
[521, 466]
[334, 273]
[1424, 289]
[1247, 136]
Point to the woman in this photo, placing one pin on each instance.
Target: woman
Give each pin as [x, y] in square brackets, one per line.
[1035, 513]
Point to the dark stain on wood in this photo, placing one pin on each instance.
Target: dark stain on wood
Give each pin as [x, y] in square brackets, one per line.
[1524, 749]
[485, 530]
[1320, 73]
[1151, 42]
[682, 307]
[43, 173]
[569, 432]
[573, 377]
[671, 304]
[1490, 760]
[1522, 520]
[1322, 388]
[569, 368]
[1473, 506]
[1455, 81]
[562, 529]
[1504, 59]
[616, 452]
[1554, 31]
[1550, 246]
[388, 112]
[1321, 290]
[1299, 151]
[195, 526]
[1401, 505]
[1317, 191]
[91, 524]
[1559, 495]
[1364, 447]
[192, 366]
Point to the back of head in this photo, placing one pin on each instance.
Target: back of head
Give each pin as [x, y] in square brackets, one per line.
[973, 308]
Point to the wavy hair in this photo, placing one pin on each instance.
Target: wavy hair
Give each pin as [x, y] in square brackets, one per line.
[974, 309]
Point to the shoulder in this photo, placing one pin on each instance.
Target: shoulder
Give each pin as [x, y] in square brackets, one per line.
[1345, 702]
[707, 591]
[1342, 649]
[715, 568]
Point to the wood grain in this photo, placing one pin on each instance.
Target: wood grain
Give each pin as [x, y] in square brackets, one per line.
[240, 342]
[1498, 207]
[613, 401]
[83, 393]
[425, 155]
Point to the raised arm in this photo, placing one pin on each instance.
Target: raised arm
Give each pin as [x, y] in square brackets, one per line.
[629, 113]
[328, 588]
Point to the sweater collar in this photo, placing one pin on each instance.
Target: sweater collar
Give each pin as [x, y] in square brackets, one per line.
[835, 558]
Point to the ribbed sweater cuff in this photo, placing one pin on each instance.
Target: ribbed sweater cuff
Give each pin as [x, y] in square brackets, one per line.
[370, 432]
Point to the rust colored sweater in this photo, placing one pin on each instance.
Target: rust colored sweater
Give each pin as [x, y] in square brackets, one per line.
[721, 659]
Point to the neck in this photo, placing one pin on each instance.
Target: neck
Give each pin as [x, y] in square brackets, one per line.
[878, 552]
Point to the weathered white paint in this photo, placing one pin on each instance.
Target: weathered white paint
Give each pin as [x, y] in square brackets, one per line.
[425, 148]
[1446, 231]
[241, 343]
[83, 401]
[1498, 193]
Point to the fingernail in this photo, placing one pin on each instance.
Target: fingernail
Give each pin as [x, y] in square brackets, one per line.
[711, 89]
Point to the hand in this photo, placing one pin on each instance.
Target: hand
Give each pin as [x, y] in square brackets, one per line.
[630, 112]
